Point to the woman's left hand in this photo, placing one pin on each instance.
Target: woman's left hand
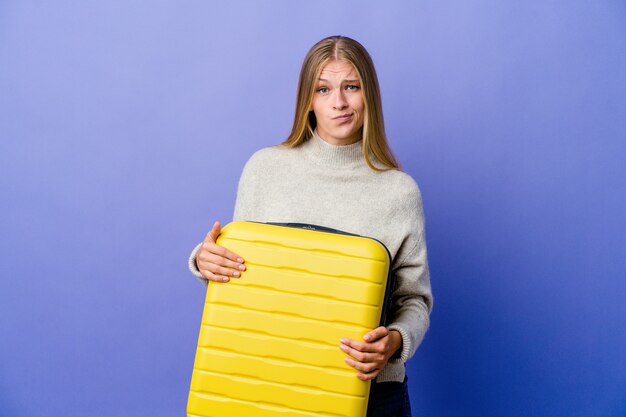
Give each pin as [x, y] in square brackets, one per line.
[369, 357]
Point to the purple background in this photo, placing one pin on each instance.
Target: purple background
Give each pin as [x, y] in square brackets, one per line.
[124, 126]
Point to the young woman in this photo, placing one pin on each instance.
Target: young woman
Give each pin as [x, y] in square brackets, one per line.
[336, 170]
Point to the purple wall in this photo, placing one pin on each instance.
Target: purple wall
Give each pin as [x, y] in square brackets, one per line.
[124, 126]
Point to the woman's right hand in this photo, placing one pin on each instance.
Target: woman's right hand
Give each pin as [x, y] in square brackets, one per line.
[215, 262]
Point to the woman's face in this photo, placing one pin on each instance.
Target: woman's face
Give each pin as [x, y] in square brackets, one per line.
[338, 104]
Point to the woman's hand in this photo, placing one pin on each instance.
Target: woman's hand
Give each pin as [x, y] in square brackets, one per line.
[215, 262]
[371, 356]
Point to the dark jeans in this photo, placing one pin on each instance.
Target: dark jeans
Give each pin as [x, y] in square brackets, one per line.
[389, 399]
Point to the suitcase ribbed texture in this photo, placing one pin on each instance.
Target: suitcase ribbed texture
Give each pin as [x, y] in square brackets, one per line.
[269, 341]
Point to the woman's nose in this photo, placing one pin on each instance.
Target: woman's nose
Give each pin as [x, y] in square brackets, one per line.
[340, 101]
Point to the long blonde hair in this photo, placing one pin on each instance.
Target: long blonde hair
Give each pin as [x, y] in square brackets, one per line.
[336, 48]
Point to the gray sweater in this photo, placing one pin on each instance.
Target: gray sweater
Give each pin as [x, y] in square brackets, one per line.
[328, 185]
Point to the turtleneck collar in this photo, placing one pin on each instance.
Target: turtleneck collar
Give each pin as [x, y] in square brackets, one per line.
[335, 156]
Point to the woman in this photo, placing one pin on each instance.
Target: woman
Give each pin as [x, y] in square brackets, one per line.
[336, 170]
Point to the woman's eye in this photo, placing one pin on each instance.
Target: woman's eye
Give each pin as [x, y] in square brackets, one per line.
[352, 87]
[322, 90]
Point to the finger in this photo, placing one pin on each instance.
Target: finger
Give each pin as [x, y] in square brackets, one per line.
[224, 262]
[214, 277]
[362, 367]
[376, 334]
[360, 356]
[221, 251]
[214, 232]
[360, 346]
[368, 376]
[218, 270]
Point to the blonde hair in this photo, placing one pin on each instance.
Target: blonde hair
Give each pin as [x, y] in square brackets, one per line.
[341, 48]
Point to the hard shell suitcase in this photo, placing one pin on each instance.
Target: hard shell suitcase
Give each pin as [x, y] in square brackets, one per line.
[269, 341]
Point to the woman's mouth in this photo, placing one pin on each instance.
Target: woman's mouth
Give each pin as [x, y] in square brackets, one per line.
[344, 117]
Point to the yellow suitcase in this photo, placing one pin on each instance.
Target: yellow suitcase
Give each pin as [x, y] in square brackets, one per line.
[269, 341]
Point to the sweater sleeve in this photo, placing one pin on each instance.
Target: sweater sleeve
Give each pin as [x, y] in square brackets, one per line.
[412, 298]
[193, 267]
[243, 211]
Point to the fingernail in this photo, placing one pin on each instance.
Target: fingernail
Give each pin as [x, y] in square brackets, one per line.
[343, 340]
[235, 273]
[342, 347]
[239, 260]
[367, 337]
[242, 267]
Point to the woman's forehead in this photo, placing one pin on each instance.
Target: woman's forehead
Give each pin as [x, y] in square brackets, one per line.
[339, 68]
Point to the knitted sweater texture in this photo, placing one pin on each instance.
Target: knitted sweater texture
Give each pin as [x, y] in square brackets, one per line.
[328, 185]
